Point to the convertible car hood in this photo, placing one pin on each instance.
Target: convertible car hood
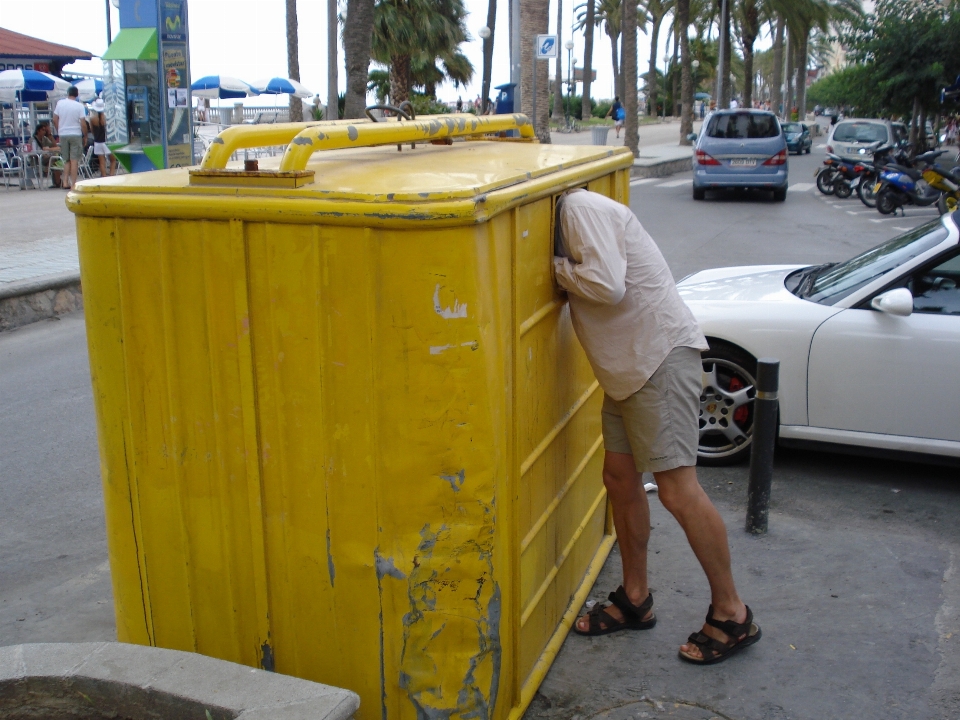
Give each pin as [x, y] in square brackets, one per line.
[752, 283]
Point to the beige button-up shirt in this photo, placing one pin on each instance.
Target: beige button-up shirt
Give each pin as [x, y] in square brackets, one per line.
[624, 302]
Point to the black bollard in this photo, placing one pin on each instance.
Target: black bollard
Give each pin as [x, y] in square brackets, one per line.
[764, 439]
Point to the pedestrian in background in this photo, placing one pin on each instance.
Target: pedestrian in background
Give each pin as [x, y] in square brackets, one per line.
[98, 128]
[619, 114]
[70, 120]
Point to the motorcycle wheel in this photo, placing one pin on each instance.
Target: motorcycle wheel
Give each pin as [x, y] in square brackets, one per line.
[825, 180]
[886, 202]
[842, 189]
[865, 191]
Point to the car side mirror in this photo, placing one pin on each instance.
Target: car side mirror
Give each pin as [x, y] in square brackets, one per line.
[898, 301]
[692, 137]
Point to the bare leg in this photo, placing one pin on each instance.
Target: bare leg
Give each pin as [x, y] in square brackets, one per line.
[631, 518]
[681, 494]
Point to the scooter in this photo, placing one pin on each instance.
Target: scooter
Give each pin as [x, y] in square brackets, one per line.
[948, 183]
[843, 176]
[869, 171]
[900, 185]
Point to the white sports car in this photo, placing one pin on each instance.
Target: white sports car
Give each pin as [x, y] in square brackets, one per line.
[869, 348]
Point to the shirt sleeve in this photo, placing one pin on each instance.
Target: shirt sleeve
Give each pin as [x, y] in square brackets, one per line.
[597, 267]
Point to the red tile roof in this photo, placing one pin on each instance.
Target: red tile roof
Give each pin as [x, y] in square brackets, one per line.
[13, 44]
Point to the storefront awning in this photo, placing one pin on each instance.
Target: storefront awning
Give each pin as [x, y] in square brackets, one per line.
[133, 44]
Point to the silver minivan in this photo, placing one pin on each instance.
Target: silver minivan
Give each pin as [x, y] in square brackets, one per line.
[852, 138]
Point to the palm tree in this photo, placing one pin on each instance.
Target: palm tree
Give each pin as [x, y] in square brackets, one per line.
[654, 11]
[748, 18]
[534, 19]
[293, 59]
[609, 15]
[686, 81]
[558, 79]
[586, 110]
[332, 74]
[488, 53]
[427, 71]
[405, 29]
[357, 32]
[630, 135]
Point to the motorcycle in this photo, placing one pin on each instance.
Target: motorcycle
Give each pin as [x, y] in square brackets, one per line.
[948, 183]
[900, 185]
[827, 175]
[842, 179]
[869, 172]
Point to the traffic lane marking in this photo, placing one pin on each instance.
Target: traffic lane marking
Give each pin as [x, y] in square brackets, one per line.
[675, 183]
[642, 181]
[801, 187]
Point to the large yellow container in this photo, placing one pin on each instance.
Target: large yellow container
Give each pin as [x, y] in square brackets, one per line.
[346, 429]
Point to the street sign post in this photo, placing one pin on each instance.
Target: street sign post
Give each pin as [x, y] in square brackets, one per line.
[544, 49]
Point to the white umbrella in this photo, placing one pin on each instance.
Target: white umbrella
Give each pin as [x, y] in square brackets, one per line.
[33, 86]
[282, 86]
[221, 86]
[89, 89]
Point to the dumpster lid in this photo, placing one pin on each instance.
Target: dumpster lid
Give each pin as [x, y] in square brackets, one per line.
[453, 183]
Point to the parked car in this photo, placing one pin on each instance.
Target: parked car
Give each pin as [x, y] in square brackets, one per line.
[798, 138]
[740, 149]
[852, 138]
[869, 348]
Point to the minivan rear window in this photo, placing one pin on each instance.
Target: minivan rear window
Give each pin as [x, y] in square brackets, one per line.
[743, 126]
[864, 132]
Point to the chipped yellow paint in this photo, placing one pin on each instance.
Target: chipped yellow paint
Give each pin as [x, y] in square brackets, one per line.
[349, 437]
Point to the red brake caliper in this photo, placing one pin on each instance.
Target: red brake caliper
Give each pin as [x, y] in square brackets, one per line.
[740, 414]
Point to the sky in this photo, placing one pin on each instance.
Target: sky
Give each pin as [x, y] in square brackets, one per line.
[247, 39]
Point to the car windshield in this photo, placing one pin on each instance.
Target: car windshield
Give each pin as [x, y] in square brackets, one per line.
[832, 283]
[864, 132]
[793, 128]
[743, 126]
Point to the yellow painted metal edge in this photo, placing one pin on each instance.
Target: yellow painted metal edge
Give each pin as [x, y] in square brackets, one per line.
[540, 669]
[556, 429]
[251, 178]
[351, 213]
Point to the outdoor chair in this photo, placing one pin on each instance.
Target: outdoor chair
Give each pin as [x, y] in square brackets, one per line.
[10, 167]
[83, 167]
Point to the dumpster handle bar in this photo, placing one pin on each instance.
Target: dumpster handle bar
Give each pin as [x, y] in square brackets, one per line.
[241, 137]
[438, 127]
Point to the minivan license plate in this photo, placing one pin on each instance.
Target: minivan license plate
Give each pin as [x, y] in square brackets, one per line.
[743, 162]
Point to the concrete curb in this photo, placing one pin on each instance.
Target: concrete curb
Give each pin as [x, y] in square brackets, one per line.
[107, 680]
[660, 168]
[27, 301]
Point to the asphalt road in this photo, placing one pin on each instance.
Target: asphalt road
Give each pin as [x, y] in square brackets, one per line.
[857, 585]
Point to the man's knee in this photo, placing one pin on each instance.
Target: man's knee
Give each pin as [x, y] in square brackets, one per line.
[678, 488]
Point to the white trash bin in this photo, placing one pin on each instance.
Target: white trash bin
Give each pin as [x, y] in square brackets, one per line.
[600, 135]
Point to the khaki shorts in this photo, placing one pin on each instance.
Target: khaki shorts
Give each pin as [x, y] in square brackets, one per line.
[659, 424]
[71, 147]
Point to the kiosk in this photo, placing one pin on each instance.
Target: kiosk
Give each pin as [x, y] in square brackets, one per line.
[147, 86]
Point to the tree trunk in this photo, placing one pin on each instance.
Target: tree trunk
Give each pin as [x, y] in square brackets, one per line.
[534, 20]
[788, 94]
[293, 59]
[488, 54]
[922, 130]
[558, 78]
[801, 80]
[748, 35]
[674, 94]
[913, 122]
[399, 79]
[586, 108]
[622, 87]
[357, 32]
[615, 57]
[628, 29]
[686, 81]
[776, 92]
[725, 80]
[332, 66]
[652, 75]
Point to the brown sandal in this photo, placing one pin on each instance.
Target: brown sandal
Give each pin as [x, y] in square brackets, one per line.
[713, 651]
[603, 623]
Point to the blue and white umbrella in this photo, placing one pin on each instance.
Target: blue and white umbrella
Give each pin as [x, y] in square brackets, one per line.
[31, 86]
[221, 86]
[89, 89]
[282, 86]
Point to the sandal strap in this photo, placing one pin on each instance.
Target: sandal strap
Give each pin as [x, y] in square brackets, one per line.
[598, 614]
[707, 644]
[629, 610]
[733, 629]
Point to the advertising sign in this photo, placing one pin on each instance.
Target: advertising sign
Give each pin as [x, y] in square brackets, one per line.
[172, 21]
[175, 69]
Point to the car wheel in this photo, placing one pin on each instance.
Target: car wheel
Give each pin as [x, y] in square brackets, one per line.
[825, 180]
[780, 194]
[842, 189]
[809, 147]
[886, 202]
[726, 405]
[699, 193]
[947, 203]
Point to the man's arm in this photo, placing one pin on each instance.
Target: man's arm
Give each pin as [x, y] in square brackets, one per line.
[56, 123]
[598, 268]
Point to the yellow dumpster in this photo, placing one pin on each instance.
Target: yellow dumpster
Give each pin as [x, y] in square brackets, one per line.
[346, 430]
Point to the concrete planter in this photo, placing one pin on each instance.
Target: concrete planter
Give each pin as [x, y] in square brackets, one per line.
[94, 681]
